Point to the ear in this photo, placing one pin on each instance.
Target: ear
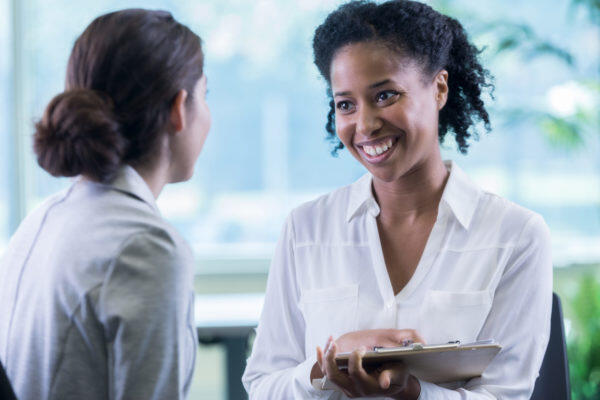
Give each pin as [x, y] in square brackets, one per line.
[178, 111]
[441, 88]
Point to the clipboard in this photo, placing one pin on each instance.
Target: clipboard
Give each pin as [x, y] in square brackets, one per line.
[440, 363]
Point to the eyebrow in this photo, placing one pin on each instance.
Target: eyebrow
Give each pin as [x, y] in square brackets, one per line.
[373, 86]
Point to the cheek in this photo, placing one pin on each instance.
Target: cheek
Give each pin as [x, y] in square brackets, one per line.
[421, 119]
[344, 131]
[204, 122]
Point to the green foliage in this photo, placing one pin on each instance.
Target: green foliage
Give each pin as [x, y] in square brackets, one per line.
[561, 132]
[592, 7]
[569, 129]
[522, 39]
[583, 342]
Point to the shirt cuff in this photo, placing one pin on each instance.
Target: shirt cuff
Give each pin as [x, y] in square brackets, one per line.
[427, 390]
[302, 378]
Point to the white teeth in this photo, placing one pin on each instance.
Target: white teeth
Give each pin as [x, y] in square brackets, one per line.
[379, 149]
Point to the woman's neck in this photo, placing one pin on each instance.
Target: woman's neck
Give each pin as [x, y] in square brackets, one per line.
[156, 178]
[156, 171]
[417, 192]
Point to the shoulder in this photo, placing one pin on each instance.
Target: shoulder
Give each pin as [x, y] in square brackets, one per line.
[500, 223]
[29, 227]
[507, 216]
[154, 251]
[321, 218]
[92, 225]
[133, 221]
[334, 202]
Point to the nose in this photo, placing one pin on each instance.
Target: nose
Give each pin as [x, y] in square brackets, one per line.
[367, 121]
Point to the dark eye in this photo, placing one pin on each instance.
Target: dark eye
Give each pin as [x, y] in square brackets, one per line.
[344, 106]
[385, 95]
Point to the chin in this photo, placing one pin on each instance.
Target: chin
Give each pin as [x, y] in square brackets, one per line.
[189, 175]
[388, 172]
[183, 176]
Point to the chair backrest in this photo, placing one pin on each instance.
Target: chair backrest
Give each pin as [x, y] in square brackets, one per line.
[553, 381]
[6, 391]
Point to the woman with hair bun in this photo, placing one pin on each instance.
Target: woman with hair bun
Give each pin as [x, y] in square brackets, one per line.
[96, 289]
[413, 251]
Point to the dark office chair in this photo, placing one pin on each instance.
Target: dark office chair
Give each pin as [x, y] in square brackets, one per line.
[553, 381]
[6, 391]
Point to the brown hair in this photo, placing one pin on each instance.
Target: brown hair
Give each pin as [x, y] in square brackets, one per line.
[123, 75]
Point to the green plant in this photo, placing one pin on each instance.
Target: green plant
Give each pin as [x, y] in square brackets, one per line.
[583, 341]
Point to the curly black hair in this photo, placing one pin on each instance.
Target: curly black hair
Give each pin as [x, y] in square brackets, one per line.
[435, 41]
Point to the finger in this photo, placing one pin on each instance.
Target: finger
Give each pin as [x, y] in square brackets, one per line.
[406, 337]
[320, 357]
[330, 356]
[417, 337]
[364, 382]
[393, 374]
[385, 379]
[355, 362]
[329, 340]
[332, 371]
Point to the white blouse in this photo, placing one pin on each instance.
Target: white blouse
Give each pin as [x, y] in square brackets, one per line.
[485, 273]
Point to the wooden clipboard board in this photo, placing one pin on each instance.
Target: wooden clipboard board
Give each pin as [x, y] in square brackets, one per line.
[435, 364]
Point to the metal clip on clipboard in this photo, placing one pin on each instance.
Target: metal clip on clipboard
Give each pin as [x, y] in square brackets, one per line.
[415, 347]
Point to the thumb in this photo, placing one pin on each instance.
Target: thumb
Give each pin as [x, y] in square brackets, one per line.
[393, 374]
[385, 379]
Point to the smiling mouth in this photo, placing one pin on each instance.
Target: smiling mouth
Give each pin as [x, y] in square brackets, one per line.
[377, 151]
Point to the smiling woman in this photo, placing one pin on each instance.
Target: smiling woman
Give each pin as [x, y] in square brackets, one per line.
[414, 250]
[386, 111]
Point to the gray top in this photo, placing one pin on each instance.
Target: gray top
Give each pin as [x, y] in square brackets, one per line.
[96, 298]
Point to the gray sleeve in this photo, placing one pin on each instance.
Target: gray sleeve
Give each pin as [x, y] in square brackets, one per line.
[146, 309]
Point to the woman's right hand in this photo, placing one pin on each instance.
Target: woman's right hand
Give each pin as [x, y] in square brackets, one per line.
[377, 338]
[370, 338]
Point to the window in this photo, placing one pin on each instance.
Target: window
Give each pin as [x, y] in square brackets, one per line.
[266, 152]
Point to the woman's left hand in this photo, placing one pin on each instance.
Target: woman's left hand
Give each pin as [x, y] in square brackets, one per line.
[391, 380]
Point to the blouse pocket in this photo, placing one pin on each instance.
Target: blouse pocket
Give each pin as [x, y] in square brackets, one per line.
[328, 311]
[449, 316]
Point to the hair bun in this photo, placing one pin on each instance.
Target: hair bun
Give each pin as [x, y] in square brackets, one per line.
[79, 135]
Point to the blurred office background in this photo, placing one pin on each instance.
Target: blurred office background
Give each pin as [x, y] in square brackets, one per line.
[267, 152]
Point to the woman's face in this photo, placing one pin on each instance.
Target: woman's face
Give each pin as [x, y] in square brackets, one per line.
[192, 139]
[386, 110]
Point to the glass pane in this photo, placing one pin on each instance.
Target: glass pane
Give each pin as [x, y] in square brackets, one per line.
[5, 123]
[544, 150]
[50, 29]
[266, 151]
